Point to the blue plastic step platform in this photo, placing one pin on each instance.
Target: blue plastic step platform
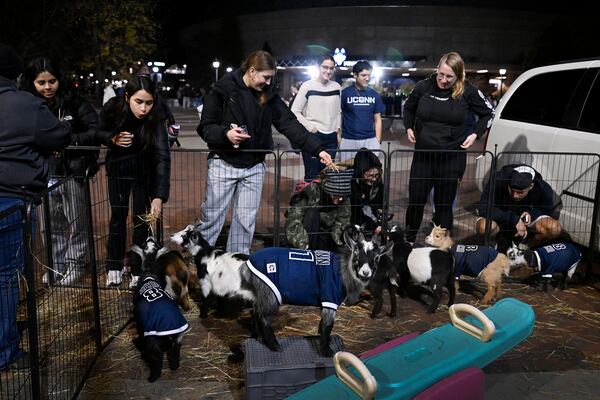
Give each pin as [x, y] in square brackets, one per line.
[279, 374]
[408, 369]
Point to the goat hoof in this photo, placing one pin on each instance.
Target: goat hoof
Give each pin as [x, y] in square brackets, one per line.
[431, 310]
[392, 315]
[274, 347]
[153, 377]
[373, 315]
[326, 352]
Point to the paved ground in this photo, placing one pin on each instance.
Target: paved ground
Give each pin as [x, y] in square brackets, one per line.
[560, 361]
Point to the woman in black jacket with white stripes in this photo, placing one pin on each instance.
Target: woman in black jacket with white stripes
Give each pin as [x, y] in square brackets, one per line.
[436, 117]
[138, 163]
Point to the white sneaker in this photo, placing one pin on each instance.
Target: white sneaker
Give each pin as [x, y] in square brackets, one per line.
[134, 281]
[114, 277]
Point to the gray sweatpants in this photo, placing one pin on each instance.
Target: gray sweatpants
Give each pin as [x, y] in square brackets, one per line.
[244, 185]
[69, 224]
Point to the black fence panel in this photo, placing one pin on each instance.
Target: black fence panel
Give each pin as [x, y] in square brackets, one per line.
[14, 310]
[458, 194]
[55, 286]
[187, 199]
[575, 178]
[60, 328]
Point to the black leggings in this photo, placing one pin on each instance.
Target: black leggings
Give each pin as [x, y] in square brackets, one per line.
[440, 172]
[119, 190]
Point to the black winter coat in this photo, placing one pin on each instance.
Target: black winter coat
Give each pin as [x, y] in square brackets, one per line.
[541, 200]
[85, 128]
[439, 121]
[151, 163]
[366, 200]
[232, 102]
[29, 133]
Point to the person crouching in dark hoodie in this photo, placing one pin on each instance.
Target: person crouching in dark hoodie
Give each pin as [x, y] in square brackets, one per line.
[367, 192]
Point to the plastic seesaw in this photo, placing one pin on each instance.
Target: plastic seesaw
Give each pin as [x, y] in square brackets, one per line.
[408, 369]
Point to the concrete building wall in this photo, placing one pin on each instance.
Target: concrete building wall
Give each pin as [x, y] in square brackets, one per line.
[484, 37]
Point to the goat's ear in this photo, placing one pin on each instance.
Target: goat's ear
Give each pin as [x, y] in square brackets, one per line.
[138, 250]
[376, 239]
[350, 236]
[389, 246]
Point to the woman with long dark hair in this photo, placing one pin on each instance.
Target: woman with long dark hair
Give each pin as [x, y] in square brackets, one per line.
[138, 163]
[69, 221]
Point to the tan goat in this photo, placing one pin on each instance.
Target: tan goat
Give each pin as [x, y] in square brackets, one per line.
[483, 262]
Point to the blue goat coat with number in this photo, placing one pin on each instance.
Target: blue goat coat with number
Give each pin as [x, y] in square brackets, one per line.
[300, 277]
[471, 260]
[156, 313]
[558, 257]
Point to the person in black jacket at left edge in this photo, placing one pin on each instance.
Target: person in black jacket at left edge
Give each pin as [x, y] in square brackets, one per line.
[29, 133]
[244, 98]
[68, 214]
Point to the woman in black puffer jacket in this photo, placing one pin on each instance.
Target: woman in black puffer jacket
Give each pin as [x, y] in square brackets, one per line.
[436, 117]
[138, 163]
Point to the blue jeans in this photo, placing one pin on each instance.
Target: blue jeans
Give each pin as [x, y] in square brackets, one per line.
[11, 262]
[312, 164]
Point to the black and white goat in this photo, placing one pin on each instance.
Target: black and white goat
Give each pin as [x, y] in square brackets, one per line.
[214, 267]
[159, 322]
[275, 276]
[423, 266]
[554, 262]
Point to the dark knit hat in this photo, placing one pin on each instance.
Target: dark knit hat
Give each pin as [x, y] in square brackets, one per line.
[11, 65]
[521, 177]
[337, 183]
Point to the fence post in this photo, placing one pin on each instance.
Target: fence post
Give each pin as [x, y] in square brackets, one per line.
[277, 209]
[93, 266]
[386, 174]
[27, 218]
[588, 273]
[47, 223]
[492, 193]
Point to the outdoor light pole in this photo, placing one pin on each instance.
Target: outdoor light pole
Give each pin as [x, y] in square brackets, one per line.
[216, 64]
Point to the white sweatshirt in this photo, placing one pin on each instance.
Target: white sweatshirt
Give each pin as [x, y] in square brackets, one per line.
[318, 106]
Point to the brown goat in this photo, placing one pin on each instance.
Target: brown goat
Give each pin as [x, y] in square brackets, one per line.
[475, 261]
[178, 275]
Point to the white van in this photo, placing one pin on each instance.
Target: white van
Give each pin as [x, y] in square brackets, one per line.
[555, 108]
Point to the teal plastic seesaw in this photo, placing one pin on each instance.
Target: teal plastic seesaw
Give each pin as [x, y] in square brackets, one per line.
[406, 370]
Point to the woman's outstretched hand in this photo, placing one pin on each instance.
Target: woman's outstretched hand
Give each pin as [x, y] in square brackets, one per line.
[325, 158]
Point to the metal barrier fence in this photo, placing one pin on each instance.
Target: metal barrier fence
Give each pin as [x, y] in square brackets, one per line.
[67, 322]
[463, 205]
[189, 177]
[575, 179]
